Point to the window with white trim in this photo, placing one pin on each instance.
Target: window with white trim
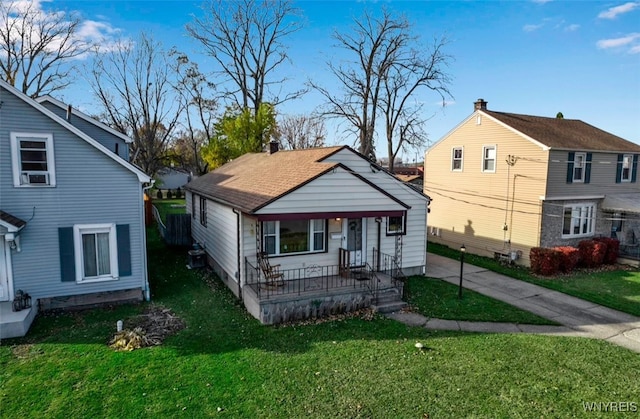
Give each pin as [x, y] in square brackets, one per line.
[578, 220]
[32, 159]
[625, 175]
[96, 252]
[293, 236]
[578, 166]
[489, 158]
[456, 159]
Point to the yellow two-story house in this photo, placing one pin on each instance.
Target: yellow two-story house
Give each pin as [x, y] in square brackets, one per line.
[502, 183]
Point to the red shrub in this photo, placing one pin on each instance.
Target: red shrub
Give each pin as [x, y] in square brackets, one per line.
[613, 248]
[592, 253]
[569, 257]
[544, 261]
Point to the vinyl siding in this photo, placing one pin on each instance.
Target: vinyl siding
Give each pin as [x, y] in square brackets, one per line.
[103, 137]
[91, 188]
[219, 238]
[471, 207]
[414, 242]
[333, 191]
[602, 182]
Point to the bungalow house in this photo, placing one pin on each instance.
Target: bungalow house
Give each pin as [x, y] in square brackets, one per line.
[71, 212]
[301, 233]
[503, 183]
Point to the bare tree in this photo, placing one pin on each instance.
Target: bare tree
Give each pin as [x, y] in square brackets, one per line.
[384, 59]
[301, 131]
[195, 93]
[411, 73]
[133, 88]
[245, 38]
[37, 48]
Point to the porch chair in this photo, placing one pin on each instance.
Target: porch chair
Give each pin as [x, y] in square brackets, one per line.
[272, 274]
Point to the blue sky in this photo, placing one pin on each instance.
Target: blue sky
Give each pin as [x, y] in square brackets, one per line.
[531, 57]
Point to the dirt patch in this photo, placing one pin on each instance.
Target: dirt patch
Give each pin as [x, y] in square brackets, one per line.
[148, 329]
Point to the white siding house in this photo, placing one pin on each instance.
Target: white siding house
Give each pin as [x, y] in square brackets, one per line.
[316, 214]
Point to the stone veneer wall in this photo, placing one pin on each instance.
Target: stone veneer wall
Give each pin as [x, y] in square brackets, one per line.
[553, 217]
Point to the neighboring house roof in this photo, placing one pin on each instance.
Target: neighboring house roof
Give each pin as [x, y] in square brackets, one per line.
[85, 117]
[569, 134]
[408, 178]
[11, 223]
[142, 177]
[255, 179]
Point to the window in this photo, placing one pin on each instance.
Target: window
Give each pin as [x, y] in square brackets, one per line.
[578, 167]
[32, 160]
[625, 175]
[293, 236]
[456, 159]
[96, 253]
[203, 211]
[578, 220]
[395, 226]
[489, 158]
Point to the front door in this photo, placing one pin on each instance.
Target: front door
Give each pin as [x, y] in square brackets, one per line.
[353, 234]
[4, 277]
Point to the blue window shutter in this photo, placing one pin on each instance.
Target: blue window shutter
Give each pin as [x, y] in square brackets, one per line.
[570, 160]
[124, 249]
[634, 169]
[587, 168]
[619, 168]
[67, 254]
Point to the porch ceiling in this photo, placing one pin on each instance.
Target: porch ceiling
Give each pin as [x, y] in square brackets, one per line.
[327, 215]
[628, 203]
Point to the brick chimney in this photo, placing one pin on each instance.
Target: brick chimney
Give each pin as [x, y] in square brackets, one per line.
[274, 146]
[480, 105]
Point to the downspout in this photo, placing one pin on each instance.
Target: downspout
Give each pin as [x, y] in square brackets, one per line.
[238, 236]
[145, 270]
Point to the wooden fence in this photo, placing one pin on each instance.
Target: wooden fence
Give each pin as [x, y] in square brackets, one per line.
[177, 231]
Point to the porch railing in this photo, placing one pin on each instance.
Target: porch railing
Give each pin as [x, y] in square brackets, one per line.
[311, 278]
[387, 264]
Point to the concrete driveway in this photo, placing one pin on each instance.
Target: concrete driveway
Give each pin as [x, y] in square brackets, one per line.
[586, 318]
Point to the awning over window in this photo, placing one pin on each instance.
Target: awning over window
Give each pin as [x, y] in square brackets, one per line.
[628, 203]
[326, 215]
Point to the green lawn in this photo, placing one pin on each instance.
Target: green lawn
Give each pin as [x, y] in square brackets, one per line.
[435, 298]
[169, 206]
[618, 289]
[226, 364]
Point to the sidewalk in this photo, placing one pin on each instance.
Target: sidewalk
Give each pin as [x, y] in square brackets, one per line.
[579, 317]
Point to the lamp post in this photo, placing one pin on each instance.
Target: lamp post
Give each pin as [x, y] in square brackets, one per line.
[462, 252]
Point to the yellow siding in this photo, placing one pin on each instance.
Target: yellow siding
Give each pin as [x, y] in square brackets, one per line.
[471, 207]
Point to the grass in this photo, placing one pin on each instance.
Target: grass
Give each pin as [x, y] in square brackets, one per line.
[169, 206]
[226, 364]
[616, 289]
[439, 299]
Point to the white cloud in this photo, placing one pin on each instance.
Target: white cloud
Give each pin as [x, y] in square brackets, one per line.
[88, 31]
[531, 28]
[614, 12]
[572, 28]
[630, 43]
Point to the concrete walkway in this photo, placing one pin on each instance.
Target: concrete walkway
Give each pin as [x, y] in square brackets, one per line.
[577, 317]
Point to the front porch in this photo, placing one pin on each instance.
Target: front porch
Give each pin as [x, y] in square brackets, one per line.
[15, 324]
[318, 291]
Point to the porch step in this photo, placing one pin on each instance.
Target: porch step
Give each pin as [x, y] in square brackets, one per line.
[15, 324]
[388, 301]
[389, 307]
